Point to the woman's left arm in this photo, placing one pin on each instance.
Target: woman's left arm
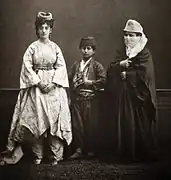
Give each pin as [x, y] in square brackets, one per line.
[98, 82]
[60, 76]
[138, 75]
[100, 75]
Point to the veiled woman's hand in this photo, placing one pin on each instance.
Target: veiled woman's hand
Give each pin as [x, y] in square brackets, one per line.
[125, 63]
[123, 75]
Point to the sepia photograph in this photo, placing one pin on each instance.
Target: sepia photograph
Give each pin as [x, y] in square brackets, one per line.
[85, 90]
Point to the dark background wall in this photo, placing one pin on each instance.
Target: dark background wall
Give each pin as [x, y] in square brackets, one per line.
[103, 19]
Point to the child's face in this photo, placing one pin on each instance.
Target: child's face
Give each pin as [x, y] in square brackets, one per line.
[87, 52]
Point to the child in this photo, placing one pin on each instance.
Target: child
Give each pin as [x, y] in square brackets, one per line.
[86, 81]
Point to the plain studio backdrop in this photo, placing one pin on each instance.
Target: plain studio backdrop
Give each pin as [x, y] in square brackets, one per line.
[103, 19]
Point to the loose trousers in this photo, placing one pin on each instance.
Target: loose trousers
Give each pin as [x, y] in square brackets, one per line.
[55, 146]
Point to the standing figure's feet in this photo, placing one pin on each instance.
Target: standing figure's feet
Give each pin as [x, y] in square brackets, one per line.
[37, 161]
[54, 162]
[91, 154]
[77, 154]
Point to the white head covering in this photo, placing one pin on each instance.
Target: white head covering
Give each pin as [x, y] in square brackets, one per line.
[43, 15]
[135, 27]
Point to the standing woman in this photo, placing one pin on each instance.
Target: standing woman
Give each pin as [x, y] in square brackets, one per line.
[42, 107]
[131, 97]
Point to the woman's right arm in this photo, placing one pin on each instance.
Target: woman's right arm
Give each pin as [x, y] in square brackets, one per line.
[28, 76]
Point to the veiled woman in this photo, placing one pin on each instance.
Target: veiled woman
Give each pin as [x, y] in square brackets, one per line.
[131, 97]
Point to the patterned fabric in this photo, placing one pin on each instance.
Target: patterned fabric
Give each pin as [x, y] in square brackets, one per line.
[34, 110]
[78, 79]
[93, 71]
[36, 54]
[56, 148]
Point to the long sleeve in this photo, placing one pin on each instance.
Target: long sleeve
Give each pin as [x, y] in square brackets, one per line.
[112, 77]
[61, 75]
[28, 77]
[72, 72]
[100, 77]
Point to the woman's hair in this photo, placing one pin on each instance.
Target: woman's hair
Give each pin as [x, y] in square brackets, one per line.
[43, 18]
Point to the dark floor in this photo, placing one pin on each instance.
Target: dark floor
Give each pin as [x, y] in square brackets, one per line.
[88, 169]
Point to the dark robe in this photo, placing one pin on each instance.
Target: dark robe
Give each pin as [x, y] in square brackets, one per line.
[131, 106]
[85, 104]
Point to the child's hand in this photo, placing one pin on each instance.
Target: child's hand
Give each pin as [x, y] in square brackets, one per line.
[87, 82]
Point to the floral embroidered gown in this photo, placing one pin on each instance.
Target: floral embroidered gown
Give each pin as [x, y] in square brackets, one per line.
[34, 110]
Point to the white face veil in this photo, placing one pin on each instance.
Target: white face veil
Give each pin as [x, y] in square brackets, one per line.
[135, 27]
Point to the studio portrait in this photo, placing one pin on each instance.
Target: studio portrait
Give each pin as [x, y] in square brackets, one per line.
[85, 90]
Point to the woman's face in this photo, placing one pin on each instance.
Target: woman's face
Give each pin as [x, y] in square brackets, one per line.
[44, 31]
[131, 39]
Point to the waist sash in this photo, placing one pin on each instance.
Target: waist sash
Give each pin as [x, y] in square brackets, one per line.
[43, 67]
